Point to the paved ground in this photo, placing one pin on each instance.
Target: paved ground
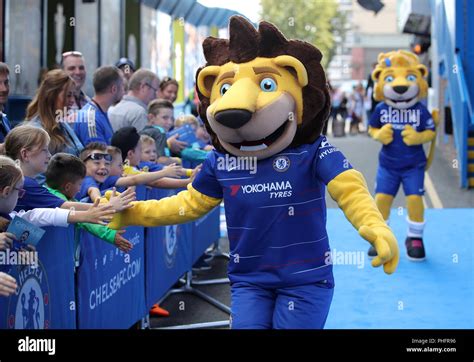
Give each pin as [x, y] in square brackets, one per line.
[443, 192]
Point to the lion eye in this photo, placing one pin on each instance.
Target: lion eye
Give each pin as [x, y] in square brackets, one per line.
[411, 78]
[268, 85]
[389, 79]
[224, 88]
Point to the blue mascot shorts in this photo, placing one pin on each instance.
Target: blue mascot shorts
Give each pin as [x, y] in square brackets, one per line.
[299, 307]
[389, 180]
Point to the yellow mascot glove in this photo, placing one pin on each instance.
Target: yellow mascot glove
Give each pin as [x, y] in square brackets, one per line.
[106, 198]
[412, 137]
[108, 195]
[384, 134]
[186, 206]
[383, 240]
[349, 190]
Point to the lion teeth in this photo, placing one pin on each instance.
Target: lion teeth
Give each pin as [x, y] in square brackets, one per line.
[254, 148]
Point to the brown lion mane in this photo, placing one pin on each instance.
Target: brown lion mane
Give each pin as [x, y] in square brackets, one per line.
[247, 43]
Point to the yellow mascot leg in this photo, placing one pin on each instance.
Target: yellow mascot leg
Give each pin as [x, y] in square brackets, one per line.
[384, 203]
[416, 224]
[415, 208]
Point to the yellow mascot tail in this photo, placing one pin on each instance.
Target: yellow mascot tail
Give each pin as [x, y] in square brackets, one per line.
[435, 115]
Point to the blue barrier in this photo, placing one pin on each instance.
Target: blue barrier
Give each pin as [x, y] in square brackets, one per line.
[113, 289]
[110, 283]
[206, 231]
[168, 254]
[46, 297]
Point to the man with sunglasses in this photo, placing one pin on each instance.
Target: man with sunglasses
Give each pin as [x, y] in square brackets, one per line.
[132, 109]
[92, 121]
[73, 64]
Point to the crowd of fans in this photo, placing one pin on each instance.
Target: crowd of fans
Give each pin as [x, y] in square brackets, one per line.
[87, 154]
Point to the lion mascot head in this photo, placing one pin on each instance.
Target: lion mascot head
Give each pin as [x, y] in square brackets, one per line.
[260, 92]
[400, 79]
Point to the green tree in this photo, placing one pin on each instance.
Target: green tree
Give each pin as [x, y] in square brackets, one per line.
[314, 21]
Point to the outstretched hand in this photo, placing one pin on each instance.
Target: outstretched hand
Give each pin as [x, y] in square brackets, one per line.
[385, 244]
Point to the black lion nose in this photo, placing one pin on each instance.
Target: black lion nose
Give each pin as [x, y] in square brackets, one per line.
[233, 118]
[400, 89]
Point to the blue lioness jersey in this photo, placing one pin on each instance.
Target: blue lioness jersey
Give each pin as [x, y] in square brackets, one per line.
[397, 154]
[276, 212]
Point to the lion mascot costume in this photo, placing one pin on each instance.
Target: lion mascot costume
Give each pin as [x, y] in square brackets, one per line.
[265, 98]
[402, 124]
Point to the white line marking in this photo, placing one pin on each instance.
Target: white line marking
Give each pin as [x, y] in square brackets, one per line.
[431, 191]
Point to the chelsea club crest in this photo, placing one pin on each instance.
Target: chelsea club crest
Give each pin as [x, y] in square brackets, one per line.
[30, 307]
[281, 163]
[170, 244]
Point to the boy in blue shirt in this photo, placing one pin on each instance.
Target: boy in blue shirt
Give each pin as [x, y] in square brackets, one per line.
[160, 121]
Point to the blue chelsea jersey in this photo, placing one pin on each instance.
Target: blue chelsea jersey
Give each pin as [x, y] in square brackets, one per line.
[276, 212]
[397, 155]
[93, 125]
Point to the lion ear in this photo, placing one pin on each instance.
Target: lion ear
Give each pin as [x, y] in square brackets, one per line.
[206, 78]
[423, 70]
[381, 57]
[295, 65]
[376, 74]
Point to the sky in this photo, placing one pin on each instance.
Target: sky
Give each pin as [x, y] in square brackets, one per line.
[249, 8]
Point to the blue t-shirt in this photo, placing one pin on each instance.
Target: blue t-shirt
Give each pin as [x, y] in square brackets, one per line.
[93, 125]
[397, 154]
[37, 196]
[276, 212]
[89, 182]
[5, 127]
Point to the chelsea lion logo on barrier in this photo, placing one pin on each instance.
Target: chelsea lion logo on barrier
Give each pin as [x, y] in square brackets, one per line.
[170, 244]
[30, 307]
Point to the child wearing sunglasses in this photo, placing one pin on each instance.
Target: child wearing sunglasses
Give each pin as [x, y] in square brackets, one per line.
[99, 178]
[29, 146]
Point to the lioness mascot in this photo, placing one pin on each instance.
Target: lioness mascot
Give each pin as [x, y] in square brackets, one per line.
[402, 124]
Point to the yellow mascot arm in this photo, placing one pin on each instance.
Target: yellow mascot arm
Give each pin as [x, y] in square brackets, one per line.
[349, 190]
[186, 206]
[412, 137]
[384, 134]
